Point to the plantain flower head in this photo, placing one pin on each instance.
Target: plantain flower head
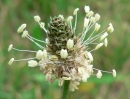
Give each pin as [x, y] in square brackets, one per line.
[67, 55]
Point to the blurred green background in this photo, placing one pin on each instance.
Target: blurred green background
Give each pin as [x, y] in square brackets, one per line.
[18, 81]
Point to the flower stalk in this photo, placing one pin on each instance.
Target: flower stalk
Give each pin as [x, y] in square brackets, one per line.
[65, 89]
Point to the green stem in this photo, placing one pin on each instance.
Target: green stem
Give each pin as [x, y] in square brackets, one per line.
[66, 89]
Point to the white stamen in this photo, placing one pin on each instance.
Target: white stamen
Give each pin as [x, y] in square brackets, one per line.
[104, 36]
[92, 19]
[90, 68]
[84, 34]
[99, 74]
[86, 21]
[35, 42]
[70, 44]
[24, 59]
[37, 18]
[39, 54]
[61, 16]
[53, 57]
[35, 39]
[98, 46]
[48, 77]
[110, 28]
[92, 39]
[114, 73]
[90, 56]
[105, 42]
[32, 63]
[90, 36]
[25, 33]
[97, 27]
[66, 78]
[42, 24]
[10, 47]
[45, 54]
[75, 11]
[23, 50]
[87, 9]
[69, 18]
[97, 17]
[102, 70]
[75, 23]
[81, 70]
[60, 83]
[73, 85]
[21, 28]
[90, 13]
[11, 61]
[63, 53]
[85, 77]
[47, 40]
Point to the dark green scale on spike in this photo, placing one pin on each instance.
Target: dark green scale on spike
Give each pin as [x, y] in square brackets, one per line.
[59, 31]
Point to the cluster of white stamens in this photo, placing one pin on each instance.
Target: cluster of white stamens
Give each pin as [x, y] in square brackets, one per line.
[89, 21]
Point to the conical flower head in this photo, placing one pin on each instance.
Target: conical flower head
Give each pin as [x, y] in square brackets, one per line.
[59, 32]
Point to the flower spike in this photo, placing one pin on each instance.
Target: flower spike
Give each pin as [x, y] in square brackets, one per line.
[67, 55]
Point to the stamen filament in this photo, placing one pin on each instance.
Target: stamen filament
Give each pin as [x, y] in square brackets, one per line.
[43, 28]
[85, 32]
[25, 59]
[93, 43]
[95, 37]
[89, 26]
[23, 50]
[102, 70]
[36, 39]
[92, 39]
[91, 50]
[91, 35]
[99, 34]
[71, 24]
[75, 23]
[86, 43]
[35, 42]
